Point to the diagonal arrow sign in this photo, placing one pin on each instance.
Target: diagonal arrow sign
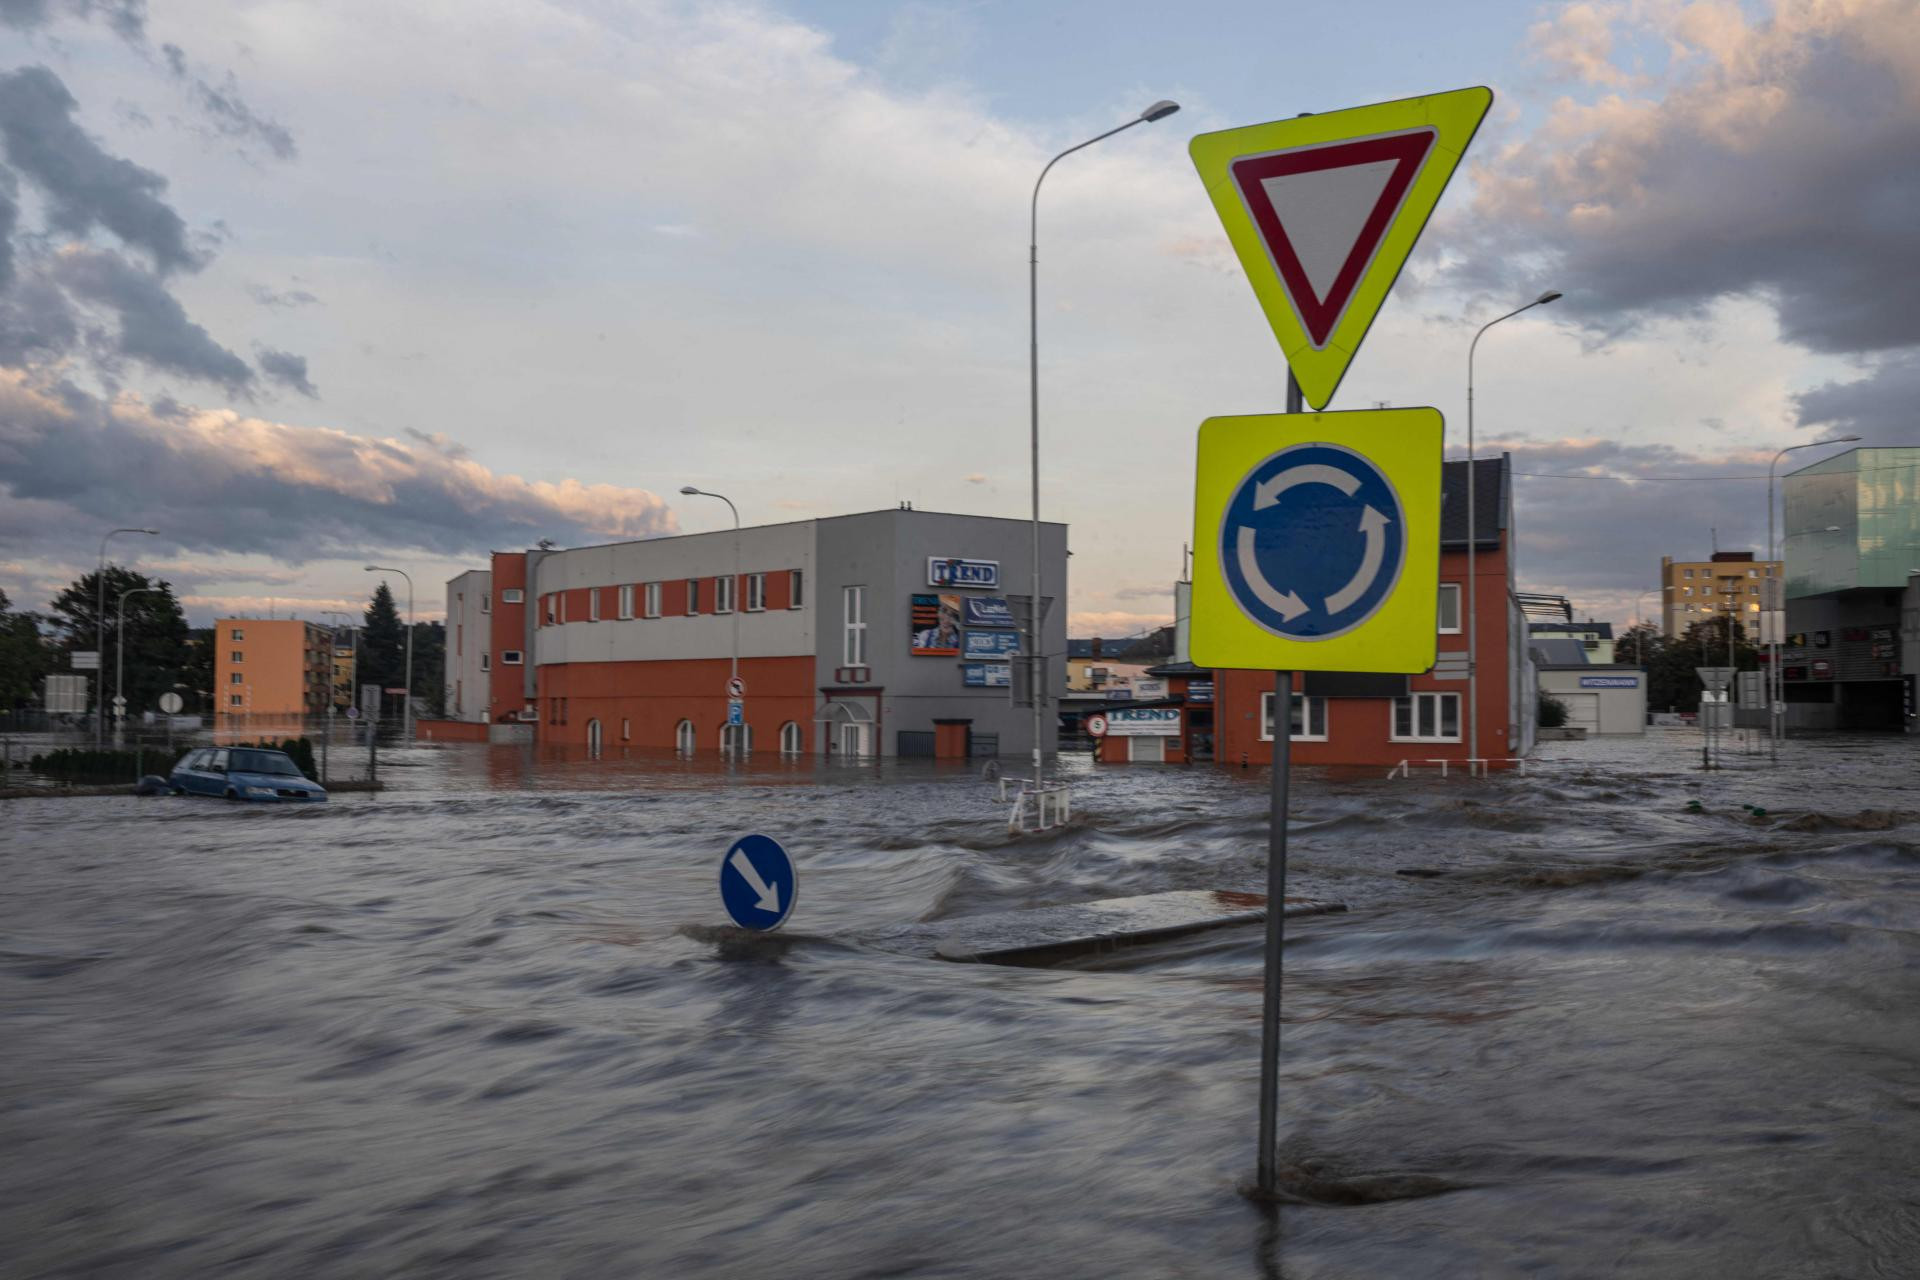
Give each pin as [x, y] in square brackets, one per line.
[1374, 525]
[1265, 495]
[1289, 606]
[769, 895]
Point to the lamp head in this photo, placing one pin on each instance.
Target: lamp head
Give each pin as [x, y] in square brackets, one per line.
[154, 532]
[1551, 295]
[688, 489]
[1159, 111]
[373, 568]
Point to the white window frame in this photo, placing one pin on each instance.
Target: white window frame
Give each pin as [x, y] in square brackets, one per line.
[486, 660]
[797, 597]
[1305, 705]
[626, 602]
[486, 602]
[512, 595]
[626, 729]
[560, 605]
[791, 741]
[236, 677]
[593, 604]
[236, 700]
[512, 658]
[693, 597]
[756, 592]
[1449, 590]
[238, 655]
[650, 600]
[726, 592]
[238, 634]
[686, 738]
[853, 626]
[1415, 700]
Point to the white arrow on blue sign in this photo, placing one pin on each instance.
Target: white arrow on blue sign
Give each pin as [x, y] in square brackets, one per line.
[757, 883]
[1313, 542]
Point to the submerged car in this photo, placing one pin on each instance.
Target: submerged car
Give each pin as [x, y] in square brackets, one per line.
[242, 773]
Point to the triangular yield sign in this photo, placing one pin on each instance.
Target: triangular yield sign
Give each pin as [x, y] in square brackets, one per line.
[1323, 210]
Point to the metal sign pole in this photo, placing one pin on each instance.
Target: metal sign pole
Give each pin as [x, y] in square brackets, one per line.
[1276, 905]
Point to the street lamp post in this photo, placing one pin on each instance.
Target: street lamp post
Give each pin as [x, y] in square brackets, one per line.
[1777, 688]
[1473, 537]
[100, 626]
[120, 658]
[1035, 662]
[734, 669]
[406, 701]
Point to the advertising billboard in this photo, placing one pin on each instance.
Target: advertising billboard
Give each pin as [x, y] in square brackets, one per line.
[988, 611]
[952, 571]
[986, 675]
[991, 646]
[934, 626]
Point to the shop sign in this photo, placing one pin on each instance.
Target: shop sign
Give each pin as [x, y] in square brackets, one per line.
[988, 611]
[991, 646]
[1609, 682]
[934, 625]
[1143, 722]
[1199, 691]
[951, 571]
[986, 675]
[1149, 690]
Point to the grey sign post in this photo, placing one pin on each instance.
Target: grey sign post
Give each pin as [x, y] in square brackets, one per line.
[1715, 680]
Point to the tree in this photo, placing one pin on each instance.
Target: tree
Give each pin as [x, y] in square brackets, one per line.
[430, 666]
[383, 642]
[196, 676]
[1672, 681]
[156, 638]
[25, 656]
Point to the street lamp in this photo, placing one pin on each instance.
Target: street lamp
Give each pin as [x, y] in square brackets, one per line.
[1035, 682]
[406, 702]
[120, 657]
[692, 492]
[100, 626]
[1473, 583]
[1777, 687]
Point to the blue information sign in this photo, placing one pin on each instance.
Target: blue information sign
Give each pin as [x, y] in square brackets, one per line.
[990, 646]
[1312, 542]
[757, 883]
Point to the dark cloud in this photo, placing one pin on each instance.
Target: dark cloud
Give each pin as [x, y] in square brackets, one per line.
[218, 481]
[1784, 165]
[128, 18]
[223, 106]
[84, 186]
[1883, 407]
[288, 370]
[277, 299]
[153, 327]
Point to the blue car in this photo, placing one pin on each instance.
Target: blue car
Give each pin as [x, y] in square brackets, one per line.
[242, 773]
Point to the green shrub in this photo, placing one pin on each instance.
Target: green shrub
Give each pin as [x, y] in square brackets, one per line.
[1553, 712]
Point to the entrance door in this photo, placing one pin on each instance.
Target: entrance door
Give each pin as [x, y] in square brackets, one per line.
[1147, 750]
[1583, 711]
[856, 741]
[593, 738]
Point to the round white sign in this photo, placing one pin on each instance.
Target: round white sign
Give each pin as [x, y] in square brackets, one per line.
[736, 688]
[170, 702]
[1097, 725]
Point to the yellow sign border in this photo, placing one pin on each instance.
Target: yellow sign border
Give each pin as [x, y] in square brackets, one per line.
[1402, 635]
[1455, 117]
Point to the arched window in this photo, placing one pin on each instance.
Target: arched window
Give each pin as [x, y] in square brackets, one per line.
[626, 729]
[593, 738]
[683, 738]
[790, 740]
[736, 739]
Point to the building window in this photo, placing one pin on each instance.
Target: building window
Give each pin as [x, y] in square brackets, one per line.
[853, 613]
[724, 590]
[1449, 608]
[237, 656]
[693, 596]
[560, 603]
[1689, 573]
[1427, 717]
[756, 592]
[683, 738]
[1686, 591]
[1753, 591]
[486, 660]
[736, 739]
[790, 741]
[1753, 573]
[236, 678]
[650, 600]
[626, 729]
[235, 700]
[593, 604]
[512, 595]
[799, 581]
[510, 657]
[239, 634]
[1312, 729]
[486, 602]
[626, 602]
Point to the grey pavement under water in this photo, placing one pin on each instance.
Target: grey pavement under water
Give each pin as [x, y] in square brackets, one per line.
[469, 1027]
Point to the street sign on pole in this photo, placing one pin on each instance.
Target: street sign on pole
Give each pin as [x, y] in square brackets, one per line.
[736, 687]
[170, 703]
[736, 713]
[1715, 679]
[353, 713]
[85, 660]
[1097, 725]
[758, 883]
[1322, 211]
[1316, 542]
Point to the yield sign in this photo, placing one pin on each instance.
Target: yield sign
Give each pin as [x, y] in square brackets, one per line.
[1323, 210]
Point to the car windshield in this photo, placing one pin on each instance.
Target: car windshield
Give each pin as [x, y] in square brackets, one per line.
[262, 762]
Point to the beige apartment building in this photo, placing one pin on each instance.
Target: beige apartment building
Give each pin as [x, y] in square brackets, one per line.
[1696, 590]
[270, 669]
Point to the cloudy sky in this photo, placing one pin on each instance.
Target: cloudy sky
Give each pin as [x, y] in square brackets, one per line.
[308, 284]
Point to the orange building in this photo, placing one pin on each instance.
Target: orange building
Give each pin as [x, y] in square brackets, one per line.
[270, 669]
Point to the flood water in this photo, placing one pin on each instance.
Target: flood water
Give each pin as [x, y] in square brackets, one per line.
[473, 1027]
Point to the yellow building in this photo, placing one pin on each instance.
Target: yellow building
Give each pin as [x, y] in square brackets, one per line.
[270, 669]
[346, 657]
[1697, 590]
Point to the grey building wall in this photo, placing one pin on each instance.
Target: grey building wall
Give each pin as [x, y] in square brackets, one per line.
[469, 630]
[1618, 711]
[887, 552]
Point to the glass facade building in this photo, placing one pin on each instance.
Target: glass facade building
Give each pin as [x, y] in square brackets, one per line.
[1853, 521]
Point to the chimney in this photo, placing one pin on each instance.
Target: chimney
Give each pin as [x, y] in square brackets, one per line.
[1096, 647]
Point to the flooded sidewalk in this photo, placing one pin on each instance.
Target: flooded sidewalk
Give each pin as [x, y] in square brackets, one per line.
[1615, 1017]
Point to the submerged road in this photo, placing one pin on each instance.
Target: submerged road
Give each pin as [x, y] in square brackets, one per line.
[462, 1028]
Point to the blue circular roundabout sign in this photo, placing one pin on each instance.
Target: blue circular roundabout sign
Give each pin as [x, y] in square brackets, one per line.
[1313, 541]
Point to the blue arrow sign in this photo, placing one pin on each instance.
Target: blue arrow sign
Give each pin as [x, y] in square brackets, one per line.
[757, 883]
[1313, 542]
